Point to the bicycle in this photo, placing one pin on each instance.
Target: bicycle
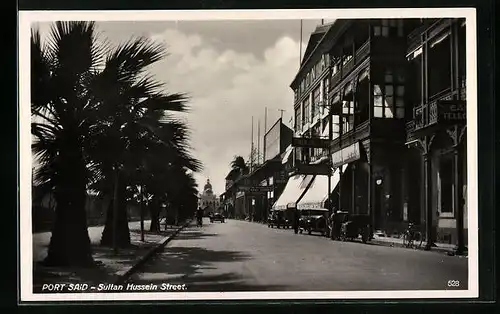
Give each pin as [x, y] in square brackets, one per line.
[412, 238]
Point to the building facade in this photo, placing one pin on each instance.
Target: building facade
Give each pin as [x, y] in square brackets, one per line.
[394, 113]
[252, 195]
[207, 200]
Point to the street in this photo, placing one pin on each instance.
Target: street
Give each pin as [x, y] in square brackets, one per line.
[245, 256]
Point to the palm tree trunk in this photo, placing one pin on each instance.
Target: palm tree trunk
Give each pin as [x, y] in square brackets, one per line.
[70, 242]
[141, 197]
[121, 222]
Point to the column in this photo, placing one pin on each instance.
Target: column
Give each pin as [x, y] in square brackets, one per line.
[428, 199]
[457, 202]
[353, 173]
[370, 187]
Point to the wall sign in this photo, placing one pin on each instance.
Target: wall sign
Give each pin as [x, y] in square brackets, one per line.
[346, 155]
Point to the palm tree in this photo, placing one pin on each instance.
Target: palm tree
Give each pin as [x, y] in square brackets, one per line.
[238, 168]
[63, 115]
[136, 126]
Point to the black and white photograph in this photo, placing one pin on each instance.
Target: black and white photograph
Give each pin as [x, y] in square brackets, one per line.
[258, 154]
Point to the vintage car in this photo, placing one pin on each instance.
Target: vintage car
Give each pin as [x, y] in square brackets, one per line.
[278, 218]
[217, 217]
[313, 220]
[353, 227]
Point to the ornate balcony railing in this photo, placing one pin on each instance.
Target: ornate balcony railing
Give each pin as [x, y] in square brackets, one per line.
[442, 109]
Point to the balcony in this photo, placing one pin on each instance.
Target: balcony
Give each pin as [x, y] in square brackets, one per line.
[443, 110]
[358, 133]
[360, 56]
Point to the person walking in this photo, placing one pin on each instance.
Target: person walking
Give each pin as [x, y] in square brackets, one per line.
[296, 220]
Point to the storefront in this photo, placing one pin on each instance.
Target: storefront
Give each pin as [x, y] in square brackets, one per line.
[316, 195]
[294, 190]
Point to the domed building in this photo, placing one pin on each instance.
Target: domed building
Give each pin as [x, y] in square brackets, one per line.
[208, 200]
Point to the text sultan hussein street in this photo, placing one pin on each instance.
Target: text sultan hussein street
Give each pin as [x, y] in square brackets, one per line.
[130, 287]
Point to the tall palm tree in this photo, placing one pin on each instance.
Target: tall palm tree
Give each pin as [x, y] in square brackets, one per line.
[135, 120]
[63, 115]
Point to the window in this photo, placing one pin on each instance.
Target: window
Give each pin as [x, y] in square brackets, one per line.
[462, 63]
[439, 63]
[346, 59]
[326, 90]
[389, 28]
[313, 74]
[308, 80]
[271, 180]
[316, 103]
[348, 115]
[388, 99]
[445, 181]
[401, 30]
[306, 113]
[295, 94]
[298, 116]
[415, 68]
[378, 104]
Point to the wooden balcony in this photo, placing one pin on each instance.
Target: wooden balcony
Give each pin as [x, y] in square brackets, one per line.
[358, 133]
[361, 54]
[442, 111]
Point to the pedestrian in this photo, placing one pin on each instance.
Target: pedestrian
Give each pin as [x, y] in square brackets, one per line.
[296, 220]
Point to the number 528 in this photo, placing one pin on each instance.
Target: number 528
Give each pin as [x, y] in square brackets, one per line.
[453, 283]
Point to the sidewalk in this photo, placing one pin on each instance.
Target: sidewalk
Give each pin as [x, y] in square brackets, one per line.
[111, 267]
[398, 242]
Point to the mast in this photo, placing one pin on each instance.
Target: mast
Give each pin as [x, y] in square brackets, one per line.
[258, 142]
[264, 137]
[300, 46]
[251, 149]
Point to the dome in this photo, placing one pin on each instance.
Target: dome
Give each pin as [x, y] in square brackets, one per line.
[208, 187]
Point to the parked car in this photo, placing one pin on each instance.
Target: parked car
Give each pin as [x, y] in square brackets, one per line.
[355, 226]
[277, 218]
[217, 217]
[313, 220]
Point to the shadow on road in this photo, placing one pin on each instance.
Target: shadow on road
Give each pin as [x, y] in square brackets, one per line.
[194, 235]
[188, 265]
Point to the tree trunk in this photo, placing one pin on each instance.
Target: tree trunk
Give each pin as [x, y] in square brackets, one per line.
[155, 216]
[70, 242]
[123, 231]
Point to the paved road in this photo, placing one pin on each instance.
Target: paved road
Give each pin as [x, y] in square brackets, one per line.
[243, 256]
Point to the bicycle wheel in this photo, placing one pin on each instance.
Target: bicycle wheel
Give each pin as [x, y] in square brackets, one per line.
[406, 240]
[418, 239]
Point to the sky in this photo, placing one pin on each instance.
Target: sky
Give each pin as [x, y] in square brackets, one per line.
[232, 71]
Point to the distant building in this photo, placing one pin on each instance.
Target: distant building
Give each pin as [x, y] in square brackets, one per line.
[207, 199]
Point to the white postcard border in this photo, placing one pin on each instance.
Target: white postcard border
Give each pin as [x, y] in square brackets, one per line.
[25, 162]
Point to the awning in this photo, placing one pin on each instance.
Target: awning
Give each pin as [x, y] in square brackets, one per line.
[317, 193]
[294, 189]
[346, 155]
[288, 152]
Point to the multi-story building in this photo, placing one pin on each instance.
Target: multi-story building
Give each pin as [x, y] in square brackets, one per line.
[357, 87]
[253, 194]
[436, 128]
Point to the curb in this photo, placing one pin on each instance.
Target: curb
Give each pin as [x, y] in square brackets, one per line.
[123, 277]
[422, 248]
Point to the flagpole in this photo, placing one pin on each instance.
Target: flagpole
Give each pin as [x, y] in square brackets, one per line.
[300, 48]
